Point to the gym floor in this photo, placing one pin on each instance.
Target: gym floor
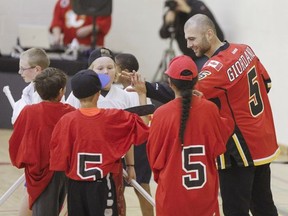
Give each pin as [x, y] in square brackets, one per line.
[9, 174]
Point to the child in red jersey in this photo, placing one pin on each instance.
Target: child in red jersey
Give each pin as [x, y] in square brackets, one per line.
[88, 144]
[186, 136]
[29, 143]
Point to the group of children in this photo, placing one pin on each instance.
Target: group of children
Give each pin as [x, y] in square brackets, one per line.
[76, 147]
[111, 97]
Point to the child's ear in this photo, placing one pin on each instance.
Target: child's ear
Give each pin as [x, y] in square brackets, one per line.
[117, 76]
[61, 93]
[38, 69]
[62, 90]
[169, 82]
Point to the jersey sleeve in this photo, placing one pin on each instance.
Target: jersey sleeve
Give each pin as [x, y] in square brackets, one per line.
[133, 126]
[16, 149]
[265, 76]
[222, 129]
[159, 91]
[60, 147]
[58, 19]
[104, 24]
[22, 141]
[210, 78]
[157, 152]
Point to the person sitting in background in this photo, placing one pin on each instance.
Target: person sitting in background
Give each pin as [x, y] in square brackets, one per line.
[65, 21]
[179, 11]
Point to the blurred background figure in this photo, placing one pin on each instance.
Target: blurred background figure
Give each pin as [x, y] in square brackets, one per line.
[178, 12]
[67, 25]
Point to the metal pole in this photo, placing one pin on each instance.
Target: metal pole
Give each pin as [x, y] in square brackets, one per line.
[140, 189]
[12, 189]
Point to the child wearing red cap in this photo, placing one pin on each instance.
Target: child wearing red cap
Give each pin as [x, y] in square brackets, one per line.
[186, 136]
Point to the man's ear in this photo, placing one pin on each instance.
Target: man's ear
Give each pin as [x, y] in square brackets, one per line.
[210, 34]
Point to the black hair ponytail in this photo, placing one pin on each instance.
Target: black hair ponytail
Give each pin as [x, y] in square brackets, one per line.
[185, 87]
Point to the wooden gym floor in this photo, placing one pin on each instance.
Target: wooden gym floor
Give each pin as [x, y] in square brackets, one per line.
[9, 174]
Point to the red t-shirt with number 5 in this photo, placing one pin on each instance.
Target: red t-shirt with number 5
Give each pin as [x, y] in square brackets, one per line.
[187, 177]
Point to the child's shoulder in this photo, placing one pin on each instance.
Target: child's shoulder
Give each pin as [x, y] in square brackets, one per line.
[116, 113]
[68, 107]
[118, 90]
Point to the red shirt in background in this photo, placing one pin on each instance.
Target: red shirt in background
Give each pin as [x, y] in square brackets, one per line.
[65, 18]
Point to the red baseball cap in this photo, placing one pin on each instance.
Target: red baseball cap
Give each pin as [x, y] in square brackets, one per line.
[180, 66]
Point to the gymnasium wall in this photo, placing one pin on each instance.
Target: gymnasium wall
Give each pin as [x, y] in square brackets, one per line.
[261, 24]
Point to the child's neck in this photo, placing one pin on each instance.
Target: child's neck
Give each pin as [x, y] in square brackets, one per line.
[88, 104]
[52, 101]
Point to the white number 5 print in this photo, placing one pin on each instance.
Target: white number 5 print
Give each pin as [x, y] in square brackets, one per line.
[83, 169]
[196, 171]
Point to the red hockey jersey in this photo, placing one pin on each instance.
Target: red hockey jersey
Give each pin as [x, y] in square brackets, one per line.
[29, 143]
[236, 80]
[87, 148]
[187, 178]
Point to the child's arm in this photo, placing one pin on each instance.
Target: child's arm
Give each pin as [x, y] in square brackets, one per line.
[129, 160]
[138, 84]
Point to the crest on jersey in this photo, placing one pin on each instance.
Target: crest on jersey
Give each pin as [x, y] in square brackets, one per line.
[215, 64]
[203, 74]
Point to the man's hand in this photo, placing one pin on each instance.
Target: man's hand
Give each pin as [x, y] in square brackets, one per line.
[170, 17]
[182, 6]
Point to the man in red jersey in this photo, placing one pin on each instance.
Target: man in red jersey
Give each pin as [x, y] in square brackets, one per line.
[237, 82]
